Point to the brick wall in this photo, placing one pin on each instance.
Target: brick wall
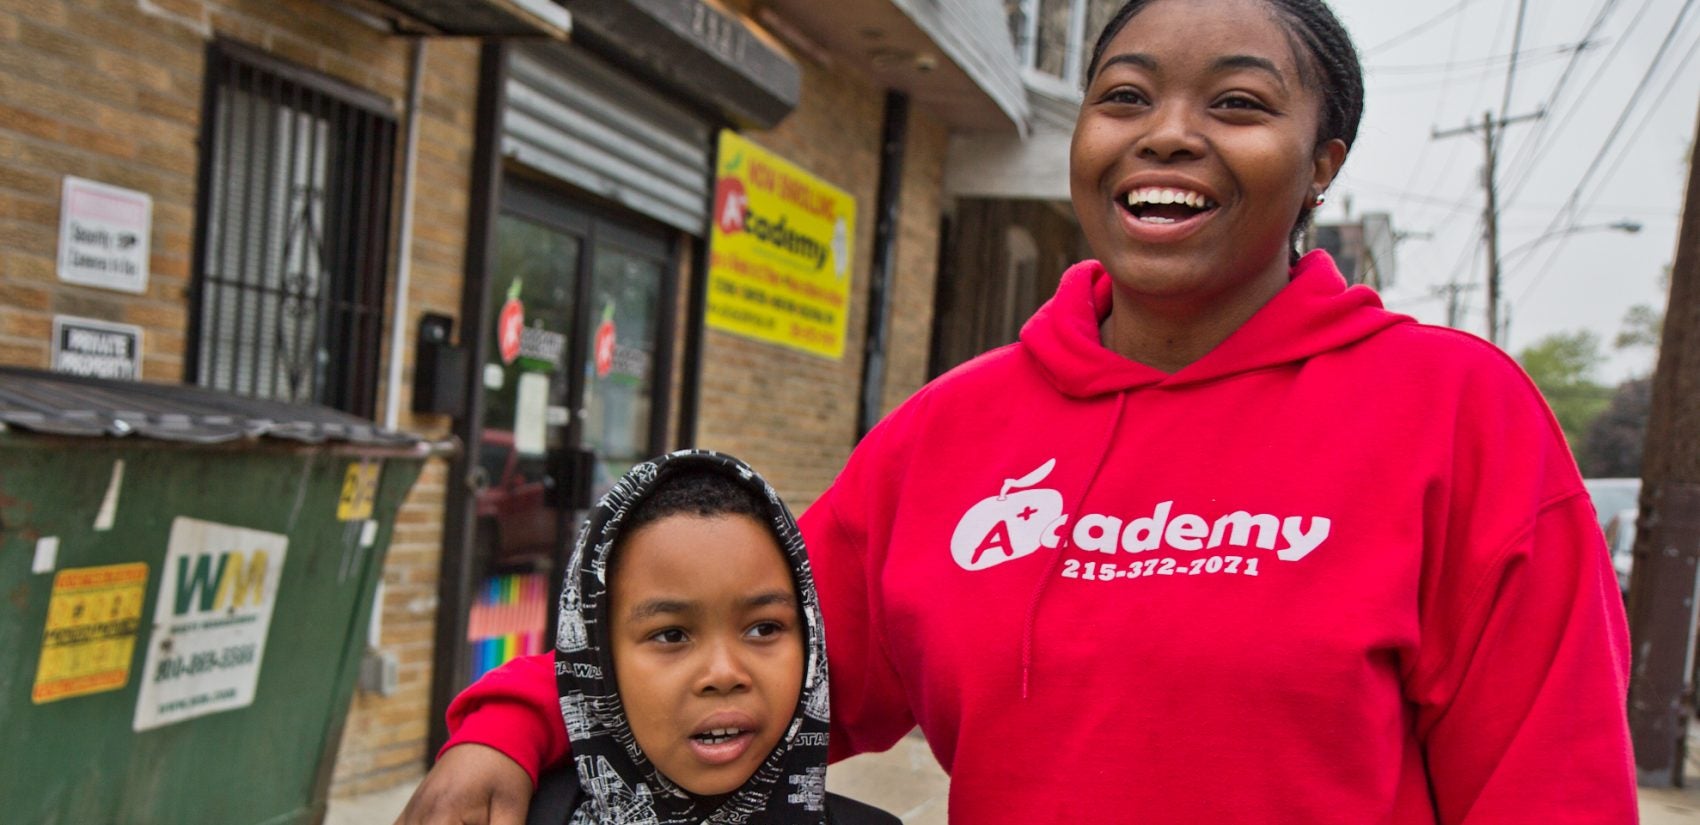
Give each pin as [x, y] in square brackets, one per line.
[111, 90]
[909, 329]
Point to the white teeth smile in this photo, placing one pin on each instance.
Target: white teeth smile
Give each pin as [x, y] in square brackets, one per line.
[1157, 195]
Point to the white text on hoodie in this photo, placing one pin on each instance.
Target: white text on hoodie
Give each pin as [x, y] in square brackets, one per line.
[1020, 520]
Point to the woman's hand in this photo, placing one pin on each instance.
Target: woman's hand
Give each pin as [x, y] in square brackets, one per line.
[470, 785]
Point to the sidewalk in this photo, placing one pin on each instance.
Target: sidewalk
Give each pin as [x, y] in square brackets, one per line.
[906, 781]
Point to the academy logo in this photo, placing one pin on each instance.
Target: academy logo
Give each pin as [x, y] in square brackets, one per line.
[1009, 525]
[1022, 518]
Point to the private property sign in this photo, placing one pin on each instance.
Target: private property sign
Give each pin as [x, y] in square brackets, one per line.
[84, 346]
[103, 235]
[779, 251]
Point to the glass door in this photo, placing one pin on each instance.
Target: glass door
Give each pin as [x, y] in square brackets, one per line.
[620, 364]
[577, 303]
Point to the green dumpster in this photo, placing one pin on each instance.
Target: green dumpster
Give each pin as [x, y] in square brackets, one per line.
[186, 582]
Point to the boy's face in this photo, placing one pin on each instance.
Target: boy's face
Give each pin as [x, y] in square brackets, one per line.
[707, 646]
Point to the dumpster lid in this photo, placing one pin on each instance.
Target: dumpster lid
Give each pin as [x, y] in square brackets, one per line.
[59, 404]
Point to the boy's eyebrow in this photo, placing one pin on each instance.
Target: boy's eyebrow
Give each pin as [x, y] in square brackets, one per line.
[657, 607]
[672, 607]
[771, 597]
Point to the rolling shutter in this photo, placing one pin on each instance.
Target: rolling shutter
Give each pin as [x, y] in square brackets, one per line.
[573, 117]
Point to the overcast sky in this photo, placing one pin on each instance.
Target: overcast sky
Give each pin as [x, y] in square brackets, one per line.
[1449, 72]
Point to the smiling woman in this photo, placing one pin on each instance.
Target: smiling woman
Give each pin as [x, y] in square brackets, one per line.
[1193, 107]
[1220, 539]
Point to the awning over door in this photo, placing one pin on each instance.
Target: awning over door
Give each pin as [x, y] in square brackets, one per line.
[487, 18]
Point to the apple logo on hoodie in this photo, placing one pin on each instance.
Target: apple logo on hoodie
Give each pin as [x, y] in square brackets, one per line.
[1009, 525]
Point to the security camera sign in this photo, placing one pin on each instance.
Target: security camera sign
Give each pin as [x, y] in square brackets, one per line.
[103, 235]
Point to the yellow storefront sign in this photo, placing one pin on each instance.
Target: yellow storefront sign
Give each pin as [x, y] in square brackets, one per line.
[779, 251]
[92, 619]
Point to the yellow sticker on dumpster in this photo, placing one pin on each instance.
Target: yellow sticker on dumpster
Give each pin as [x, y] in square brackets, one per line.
[92, 619]
[359, 490]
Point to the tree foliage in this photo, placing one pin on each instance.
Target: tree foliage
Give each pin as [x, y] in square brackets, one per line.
[1613, 447]
[1562, 366]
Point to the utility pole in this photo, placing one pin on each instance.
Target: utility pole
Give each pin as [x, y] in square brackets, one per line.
[1490, 215]
[1662, 589]
[1452, 292]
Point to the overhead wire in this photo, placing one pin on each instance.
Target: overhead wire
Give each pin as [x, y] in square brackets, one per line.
[1568, 210]
[1651, 111]
[1511, 70]
[1530, 151]
[1494, 63]
[1418, 29]
[1469, 248]
[1421, 161]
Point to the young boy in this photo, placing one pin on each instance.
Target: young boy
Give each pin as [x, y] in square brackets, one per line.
[690, 658]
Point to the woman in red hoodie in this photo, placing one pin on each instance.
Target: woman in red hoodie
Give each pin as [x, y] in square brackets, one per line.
[1219, 539]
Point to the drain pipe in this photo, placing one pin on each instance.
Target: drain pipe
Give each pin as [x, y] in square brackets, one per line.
[379, 668]
[404, 244]
[893, 138]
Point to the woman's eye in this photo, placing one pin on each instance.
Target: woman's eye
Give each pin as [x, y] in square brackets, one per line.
[1131, 97]
[762, 630]
[1241, 102]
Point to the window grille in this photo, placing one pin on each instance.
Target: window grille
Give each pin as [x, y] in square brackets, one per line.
[294, 219]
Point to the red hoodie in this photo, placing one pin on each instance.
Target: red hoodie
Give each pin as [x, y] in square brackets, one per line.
[1339, 570]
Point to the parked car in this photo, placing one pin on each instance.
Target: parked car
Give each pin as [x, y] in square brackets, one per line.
[1617, 504]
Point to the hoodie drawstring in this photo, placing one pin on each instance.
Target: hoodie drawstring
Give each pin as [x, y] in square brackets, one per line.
[1056, 558]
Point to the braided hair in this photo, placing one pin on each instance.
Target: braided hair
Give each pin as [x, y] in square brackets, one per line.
[1333, 69]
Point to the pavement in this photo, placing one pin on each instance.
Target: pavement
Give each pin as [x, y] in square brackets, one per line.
[909, 783]
[905, 780]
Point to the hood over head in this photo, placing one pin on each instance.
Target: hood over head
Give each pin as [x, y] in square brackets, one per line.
[1315, 313]
[619, 783]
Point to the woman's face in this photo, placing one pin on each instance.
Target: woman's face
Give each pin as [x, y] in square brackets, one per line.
[1194, 151]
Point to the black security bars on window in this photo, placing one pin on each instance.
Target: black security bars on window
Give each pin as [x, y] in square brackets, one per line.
[293, 246]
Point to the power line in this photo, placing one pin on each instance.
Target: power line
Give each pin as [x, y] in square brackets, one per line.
[1417, 29]
[1490, 63]
[1652, 110]
[1419, 166]
[1569, 207]
[1511, 70]
[1530, 159]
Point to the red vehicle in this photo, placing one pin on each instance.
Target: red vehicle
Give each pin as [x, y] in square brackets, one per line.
[514, 520]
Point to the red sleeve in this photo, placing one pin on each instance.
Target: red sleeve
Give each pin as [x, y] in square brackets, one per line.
[847, 531]
[515, 709]
[1522, 677]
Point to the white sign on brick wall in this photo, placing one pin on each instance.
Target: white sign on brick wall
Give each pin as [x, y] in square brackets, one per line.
[103, 235]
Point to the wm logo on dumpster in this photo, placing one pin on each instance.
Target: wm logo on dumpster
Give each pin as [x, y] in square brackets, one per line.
[207, 582]
[218, 587]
